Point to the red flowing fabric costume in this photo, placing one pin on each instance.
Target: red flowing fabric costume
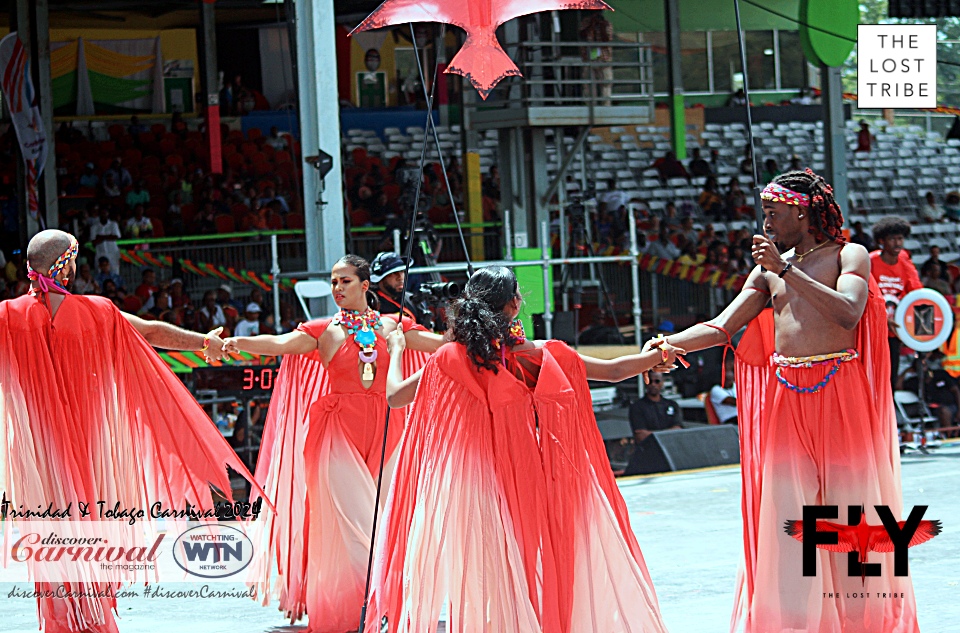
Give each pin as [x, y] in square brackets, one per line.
[89, 412]
[834, 447]
[504, 506]
[319, 461]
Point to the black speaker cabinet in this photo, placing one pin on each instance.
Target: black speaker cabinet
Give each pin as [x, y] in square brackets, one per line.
[685, 449]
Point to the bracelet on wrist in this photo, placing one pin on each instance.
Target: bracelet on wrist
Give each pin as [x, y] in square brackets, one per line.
[786, 268]
[206, 343]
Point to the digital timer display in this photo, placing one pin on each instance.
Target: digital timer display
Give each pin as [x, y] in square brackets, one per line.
[257, 379]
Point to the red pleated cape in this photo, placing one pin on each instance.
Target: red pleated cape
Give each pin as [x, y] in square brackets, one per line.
[503, 503]
[90, 412]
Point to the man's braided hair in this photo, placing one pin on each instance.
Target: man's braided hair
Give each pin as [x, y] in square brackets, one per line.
[826, 219]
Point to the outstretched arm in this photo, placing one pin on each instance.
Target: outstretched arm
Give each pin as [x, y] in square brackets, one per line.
[295, 342]
[400, 392]
[745, 307]
[618, 369]
[167, 336]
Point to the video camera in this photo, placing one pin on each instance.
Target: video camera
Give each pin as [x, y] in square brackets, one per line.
[575, 212]
[439, 291]
[430, 300]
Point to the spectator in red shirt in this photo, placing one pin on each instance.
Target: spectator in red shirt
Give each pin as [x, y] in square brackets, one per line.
[669, 167]
[863, 138]
[896, 275]
[148, 284]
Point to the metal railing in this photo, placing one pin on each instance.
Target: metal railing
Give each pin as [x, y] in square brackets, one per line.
[555, 74]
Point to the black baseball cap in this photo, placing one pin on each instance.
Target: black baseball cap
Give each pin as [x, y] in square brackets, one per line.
[385, 264]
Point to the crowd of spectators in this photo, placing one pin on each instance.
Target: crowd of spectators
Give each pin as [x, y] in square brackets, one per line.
[381, 193]
[156, 182]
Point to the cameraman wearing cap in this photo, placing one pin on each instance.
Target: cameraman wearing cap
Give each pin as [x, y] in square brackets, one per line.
[387, 274]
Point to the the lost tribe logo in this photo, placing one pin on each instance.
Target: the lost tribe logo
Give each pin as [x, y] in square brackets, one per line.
[857, 538]
[213, 551]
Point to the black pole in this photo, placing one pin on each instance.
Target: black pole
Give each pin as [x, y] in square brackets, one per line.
[746, 93]
[403, 296]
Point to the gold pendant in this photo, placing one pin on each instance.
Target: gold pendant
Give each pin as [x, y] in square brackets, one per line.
[367, 371]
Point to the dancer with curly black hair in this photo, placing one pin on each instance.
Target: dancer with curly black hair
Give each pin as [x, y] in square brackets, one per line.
[503, 502]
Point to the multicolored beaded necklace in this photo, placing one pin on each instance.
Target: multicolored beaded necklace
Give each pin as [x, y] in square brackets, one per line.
[362, 325]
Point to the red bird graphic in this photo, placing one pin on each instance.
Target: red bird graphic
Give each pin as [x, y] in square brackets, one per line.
[863, 538]
[481, 60]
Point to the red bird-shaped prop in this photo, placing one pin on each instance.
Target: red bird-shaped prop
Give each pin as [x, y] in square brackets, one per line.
[481, 60]
[863, 538]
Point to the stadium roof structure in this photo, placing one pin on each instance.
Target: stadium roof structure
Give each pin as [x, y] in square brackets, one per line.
[169, 14]
[628, 15]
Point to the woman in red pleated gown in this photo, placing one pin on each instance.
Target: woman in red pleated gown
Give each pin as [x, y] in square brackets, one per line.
[321, 451]
[503, 505]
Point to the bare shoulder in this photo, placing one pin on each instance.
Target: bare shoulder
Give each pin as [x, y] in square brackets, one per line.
[854, 253]
[854, 258]
[756, 280]
[387, 325]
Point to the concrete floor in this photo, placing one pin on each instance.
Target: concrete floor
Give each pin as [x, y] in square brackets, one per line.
[693, 562]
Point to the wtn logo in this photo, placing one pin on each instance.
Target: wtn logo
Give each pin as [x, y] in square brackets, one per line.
[858, 537]
[221, 551]
[213, 551]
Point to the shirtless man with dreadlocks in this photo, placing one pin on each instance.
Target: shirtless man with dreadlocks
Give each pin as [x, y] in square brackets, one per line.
[816, 414]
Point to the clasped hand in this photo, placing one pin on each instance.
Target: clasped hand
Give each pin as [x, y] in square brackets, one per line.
[669, 356]
[216, 346]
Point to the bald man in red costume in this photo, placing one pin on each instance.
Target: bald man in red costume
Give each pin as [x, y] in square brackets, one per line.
[89, 412]
[817, 425]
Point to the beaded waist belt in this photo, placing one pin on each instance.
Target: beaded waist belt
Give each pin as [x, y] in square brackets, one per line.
[835, 360]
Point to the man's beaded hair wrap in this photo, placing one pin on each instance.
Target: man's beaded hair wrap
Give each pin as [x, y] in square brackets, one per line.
[811, 193]
[49, 282]
[777, 193]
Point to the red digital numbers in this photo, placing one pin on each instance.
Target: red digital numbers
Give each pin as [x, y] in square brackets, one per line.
[252, 379]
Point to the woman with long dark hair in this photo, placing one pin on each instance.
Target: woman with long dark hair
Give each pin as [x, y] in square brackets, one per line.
[503, 502]
[321, 451]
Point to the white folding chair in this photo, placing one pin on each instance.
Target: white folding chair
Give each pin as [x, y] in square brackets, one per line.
[311, 289]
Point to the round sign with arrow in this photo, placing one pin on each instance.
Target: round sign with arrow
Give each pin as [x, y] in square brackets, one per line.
[924, 320]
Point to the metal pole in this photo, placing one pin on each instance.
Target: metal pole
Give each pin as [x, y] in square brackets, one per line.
[834, 134]
[746, 95]
[320, 129]
[547, 287]
[635, 281]
[508, 235]
[654, 301]
[210, 85]
[675, 101]
[47, 184]
[275, 272]
[635, 276]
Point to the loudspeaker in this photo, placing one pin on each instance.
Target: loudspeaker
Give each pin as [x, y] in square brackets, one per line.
[684, 449]
[614, 424]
